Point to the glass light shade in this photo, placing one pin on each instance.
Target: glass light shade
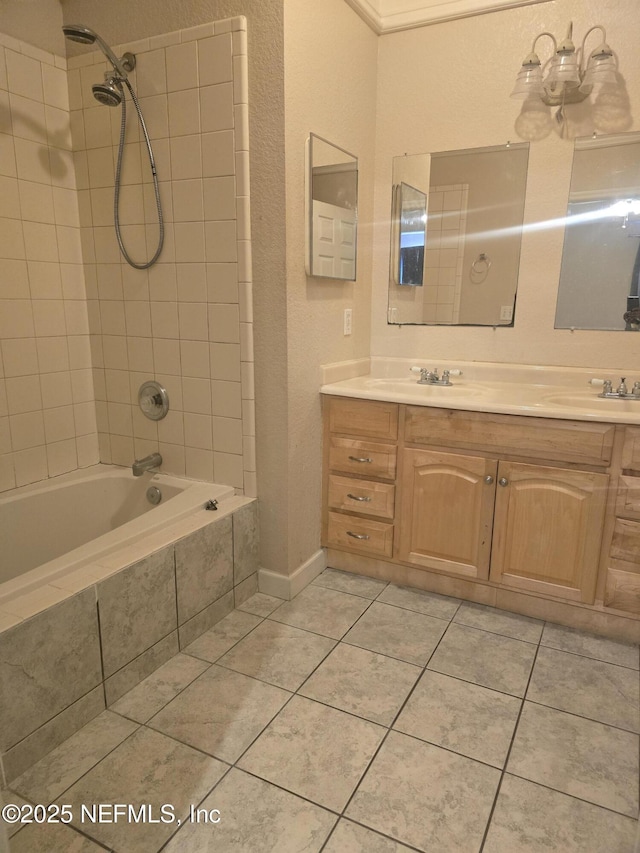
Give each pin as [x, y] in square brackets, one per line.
[528, 82]
[601, 70]
[564, 69]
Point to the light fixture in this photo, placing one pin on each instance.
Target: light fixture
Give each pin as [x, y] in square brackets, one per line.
[570, 78]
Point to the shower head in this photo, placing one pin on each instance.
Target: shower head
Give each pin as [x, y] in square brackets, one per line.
[84, 35]
[108, 93]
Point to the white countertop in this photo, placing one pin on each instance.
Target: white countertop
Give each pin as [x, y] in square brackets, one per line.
[546, 392]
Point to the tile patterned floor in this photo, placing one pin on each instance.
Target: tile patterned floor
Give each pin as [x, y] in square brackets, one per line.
[361, 717]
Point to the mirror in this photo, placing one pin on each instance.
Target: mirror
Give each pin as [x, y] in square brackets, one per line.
[331, 209]
[600, 272]
[469, 239]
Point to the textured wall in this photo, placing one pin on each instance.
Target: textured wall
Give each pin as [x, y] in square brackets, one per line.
[446, 87]
[330, 62]
[37, 22]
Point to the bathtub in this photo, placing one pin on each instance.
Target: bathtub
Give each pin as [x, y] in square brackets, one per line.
[63, 534]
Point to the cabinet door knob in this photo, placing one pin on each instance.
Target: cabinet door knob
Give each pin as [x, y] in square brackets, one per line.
[358, 497]
[488, 479]
[503, 481]
[357, 535]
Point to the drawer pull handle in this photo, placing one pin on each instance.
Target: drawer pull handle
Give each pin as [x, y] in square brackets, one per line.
[360, 459]
[358, 535]
[358, 498]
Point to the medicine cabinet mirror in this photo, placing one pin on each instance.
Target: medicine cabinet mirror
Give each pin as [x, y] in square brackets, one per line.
[600, 273]
[456, 226]
[331, 210]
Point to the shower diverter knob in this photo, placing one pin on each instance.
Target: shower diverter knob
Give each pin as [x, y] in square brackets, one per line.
[153, 400]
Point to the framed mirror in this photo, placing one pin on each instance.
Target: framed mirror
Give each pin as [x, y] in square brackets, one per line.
[600, 274]
[331, 209]
[472, 204]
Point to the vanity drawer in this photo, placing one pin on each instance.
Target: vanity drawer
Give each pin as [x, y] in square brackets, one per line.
[631, 450]
[625, 544]
[628, 500]
[368, 458]
[566, 441]
[360, 534]
[363, 496]
[623, 589]
[363, 417]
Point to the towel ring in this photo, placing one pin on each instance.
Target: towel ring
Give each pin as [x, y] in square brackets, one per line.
[481, 265]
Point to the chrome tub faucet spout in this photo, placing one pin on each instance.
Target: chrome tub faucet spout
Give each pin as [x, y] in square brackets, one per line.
[153, 460]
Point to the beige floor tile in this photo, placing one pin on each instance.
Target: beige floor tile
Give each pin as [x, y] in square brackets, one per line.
[361, 682]
[323, 611]
[466, 718]
[221, 712]
[531, 819]
[587, 687]
[278, 653]
[260, 604]
[499, 622]
[148, 768]
[255, 817]
[315, 751]
[159, 688]
[14, 799]
[52, 838]
[425, 796]
[348, 837]
[490, 660]
[399, 633]
[588, 760]
[590, 645]
[58, 770]
[218, 640]
[349, 582]
[429, 603]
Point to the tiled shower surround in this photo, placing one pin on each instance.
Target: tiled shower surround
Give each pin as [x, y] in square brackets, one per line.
[187, 321]
[62, 667]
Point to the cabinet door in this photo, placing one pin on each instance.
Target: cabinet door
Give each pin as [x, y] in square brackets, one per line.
[548, 530]
[446, 511]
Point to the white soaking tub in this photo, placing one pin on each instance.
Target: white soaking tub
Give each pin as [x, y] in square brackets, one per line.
[51, 531]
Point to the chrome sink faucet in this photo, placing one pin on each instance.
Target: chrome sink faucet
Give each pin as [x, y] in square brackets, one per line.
[153, 460]
[621, 392]
[431, 377]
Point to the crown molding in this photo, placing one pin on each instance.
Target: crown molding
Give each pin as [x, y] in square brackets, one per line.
[388, 16]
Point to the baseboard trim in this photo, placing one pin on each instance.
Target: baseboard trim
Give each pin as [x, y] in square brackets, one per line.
[283, 586]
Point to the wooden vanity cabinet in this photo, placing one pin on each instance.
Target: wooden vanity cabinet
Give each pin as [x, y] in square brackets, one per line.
[513, 501]
[622, 590]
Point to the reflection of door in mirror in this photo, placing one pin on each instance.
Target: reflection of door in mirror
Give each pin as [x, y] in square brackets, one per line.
[475, 209]
[332, 206]
[410, 226]
[600, 275]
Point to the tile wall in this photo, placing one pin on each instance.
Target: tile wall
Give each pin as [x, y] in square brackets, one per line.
[47, 413]
[187, 321]
[78, 324]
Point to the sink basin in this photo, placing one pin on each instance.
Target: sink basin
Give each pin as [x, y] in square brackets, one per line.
[591, 401]
[408, 385]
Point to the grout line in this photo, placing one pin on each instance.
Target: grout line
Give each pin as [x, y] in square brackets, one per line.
[582, 717]
[508, 755]
[589, 657]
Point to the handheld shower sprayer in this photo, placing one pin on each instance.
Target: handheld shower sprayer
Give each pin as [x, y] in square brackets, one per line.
[84, 35]
[111, 93]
